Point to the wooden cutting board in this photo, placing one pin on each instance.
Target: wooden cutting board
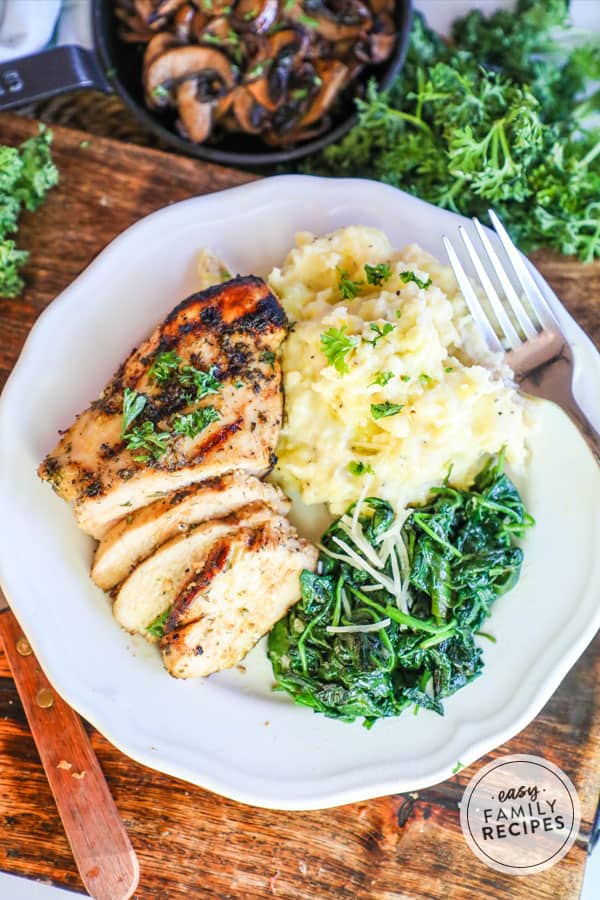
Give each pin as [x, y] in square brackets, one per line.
[192, 843]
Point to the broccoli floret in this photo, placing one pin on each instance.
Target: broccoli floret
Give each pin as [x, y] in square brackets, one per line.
[11, 260]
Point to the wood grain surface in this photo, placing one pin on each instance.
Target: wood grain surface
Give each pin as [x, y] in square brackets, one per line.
[192, 843]
[101, 847]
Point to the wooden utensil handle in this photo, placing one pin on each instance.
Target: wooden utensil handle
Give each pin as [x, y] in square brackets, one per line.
[105, 858]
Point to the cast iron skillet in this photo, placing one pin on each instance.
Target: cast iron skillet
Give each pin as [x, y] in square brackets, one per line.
[115, 66]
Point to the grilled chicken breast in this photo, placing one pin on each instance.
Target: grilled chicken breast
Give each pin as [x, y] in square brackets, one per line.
[138, 535]
[231, 332]
[250, 578]
[153, 585]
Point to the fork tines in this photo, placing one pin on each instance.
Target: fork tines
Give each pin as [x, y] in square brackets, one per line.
[531, 321]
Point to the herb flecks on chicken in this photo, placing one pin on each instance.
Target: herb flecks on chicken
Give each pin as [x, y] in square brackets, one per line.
[195, 400]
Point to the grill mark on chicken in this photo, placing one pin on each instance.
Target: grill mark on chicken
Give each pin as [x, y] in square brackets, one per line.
[215, 562]
[216, 440]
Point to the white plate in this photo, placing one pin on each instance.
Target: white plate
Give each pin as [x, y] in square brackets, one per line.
[229, 733]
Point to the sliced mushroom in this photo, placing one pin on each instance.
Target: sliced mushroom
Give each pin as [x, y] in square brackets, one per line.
[333, 75]
[223, 105]
[337, 19]
[250, 114]
[285, 49]
[182, 22]
[167, 7]
[146, 10]
[256, 16]
[381, 6]
[378, 45]
[216, 28]
[375, 48]
[182, 63]
[195, 115]
[132, 29]
[158, 45]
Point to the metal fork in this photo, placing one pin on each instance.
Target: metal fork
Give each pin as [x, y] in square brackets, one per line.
[535, 347]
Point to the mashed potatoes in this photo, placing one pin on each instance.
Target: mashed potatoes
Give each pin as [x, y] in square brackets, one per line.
[415, 393]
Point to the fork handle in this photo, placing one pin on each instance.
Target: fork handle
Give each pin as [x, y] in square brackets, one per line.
[554, 383]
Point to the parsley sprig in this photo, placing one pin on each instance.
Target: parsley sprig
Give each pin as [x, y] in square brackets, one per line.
[407, 277]
[133, 405]
[205, 383]
[193, 423]
[358, 467]
[145, 437]
[164, 366]
[380, 332]
[378, 274]
[336, 345]
[157, 627]
[387, 408]
[348, 289]
[382, 378]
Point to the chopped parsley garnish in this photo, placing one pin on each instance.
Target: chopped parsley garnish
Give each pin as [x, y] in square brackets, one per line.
[458, 767]
[405, 378]
[336, 345]
[382, 378]
[425, 379]
[378, 274]
[380, 332]
[133, 404]
[160, 92]
[449, 369]
[256, 70]
[145, 437]
[360, 468]
[308, 21]
[164, 365]
[191, 424]
[382, 410]
[204, 382]
[299, 93]
[157, 627]
[407, 277]
[348, 289]
[268, 357]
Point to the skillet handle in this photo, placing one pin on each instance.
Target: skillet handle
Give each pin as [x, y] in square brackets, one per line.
[43, 75]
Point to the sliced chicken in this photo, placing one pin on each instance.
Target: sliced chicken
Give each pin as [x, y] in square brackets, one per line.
[249, 580]
[154, 585]
[229, 335]
[138, 535]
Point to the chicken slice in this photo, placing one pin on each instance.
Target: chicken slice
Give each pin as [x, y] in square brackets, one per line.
[249, 580]
[138, 535]
[153, 585]
[230, 333]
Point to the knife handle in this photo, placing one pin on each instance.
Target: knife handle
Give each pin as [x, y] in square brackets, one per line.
[105, 858]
